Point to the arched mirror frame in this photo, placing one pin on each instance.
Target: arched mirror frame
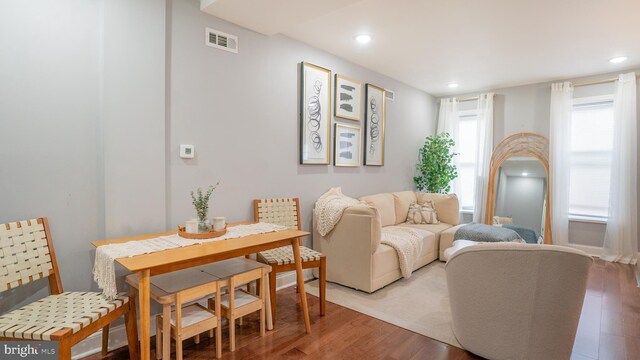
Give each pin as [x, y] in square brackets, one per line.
[520, 144]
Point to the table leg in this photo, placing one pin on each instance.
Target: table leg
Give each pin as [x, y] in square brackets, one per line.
[145, 314]
[166, 331]
[268, 304]
[303, 294]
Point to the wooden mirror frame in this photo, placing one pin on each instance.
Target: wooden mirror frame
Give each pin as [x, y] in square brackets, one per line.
[520, 144]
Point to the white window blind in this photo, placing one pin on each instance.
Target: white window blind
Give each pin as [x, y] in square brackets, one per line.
[591, 143]
[466, 160]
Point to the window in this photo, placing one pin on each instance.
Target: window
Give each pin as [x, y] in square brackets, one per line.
[466, 162]
[591, 144]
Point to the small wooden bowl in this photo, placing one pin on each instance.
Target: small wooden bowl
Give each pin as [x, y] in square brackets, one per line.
[209, 235]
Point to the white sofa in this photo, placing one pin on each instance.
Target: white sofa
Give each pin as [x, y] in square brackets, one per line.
[355, 256]
[517, 301]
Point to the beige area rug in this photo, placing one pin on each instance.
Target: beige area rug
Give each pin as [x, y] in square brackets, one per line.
[419, 304]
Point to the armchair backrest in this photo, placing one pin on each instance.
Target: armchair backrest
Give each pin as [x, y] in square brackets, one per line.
[26, 254]
[517, 301]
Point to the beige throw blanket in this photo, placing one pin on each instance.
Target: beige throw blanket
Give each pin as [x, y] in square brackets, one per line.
[407, 242]
[329, 209]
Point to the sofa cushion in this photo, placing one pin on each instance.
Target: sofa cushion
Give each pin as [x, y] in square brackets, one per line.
[385, 205]
[447, 206]
[385, 259]
[435, 229]
[402, 201]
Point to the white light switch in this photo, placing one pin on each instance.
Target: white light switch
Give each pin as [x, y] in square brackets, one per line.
[186, 151]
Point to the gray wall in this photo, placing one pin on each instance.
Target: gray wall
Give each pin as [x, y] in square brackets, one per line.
[133, 116]
[524, 200]
[527, 108]
[241, 113]
[93, 109]
[501, 192]
[49, 130]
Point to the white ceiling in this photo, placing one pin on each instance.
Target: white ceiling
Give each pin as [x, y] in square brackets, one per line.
[479, 44]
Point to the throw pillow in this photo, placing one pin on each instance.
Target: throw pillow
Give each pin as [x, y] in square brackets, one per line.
[422, 214]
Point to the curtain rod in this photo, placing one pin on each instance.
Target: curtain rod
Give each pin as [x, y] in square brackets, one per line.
[596, 82]
[586, 83]
[471, 98]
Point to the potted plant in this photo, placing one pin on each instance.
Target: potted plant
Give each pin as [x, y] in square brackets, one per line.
[201, 203]
[436, 169]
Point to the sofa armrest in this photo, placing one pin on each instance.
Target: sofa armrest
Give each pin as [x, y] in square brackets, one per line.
[446, 240]
[349, 246]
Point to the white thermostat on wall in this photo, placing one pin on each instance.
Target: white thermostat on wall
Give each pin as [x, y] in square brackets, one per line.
[186, 151]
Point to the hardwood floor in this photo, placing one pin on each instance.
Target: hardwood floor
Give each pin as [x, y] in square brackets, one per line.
[609, 329]
[610, 322]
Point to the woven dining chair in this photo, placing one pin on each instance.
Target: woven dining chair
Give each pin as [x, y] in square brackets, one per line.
[286, 212]
[26, 255]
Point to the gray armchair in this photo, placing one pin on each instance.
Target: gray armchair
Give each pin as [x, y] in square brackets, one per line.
[517, 301]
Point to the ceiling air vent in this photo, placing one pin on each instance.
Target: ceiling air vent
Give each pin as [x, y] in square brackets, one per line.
[220, 40]
[390, 95]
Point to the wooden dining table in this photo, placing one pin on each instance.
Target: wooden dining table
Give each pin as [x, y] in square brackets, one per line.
[165, 261]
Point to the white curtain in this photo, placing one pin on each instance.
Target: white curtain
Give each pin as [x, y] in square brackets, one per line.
[621, 237]
[448, 121]
[448, 117]
[559, 159]
[484, 137]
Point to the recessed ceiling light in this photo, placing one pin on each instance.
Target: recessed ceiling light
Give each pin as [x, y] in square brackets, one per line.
[618, 60]
[525, 174]
[453, 85]
[363, 39]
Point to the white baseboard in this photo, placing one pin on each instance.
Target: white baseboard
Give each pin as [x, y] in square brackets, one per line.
[288, 279]
[597, 252]
[118, 334]
[93, 344]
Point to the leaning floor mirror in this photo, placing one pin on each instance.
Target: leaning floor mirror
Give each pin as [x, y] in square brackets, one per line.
[518, 196]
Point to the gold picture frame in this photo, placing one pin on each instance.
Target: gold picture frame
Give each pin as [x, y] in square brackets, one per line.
[315, 114]
[375, 109]
[346, 145]
[347, 102]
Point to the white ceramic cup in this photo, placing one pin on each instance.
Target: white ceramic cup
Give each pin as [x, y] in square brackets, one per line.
[218, 223]
[191, 226]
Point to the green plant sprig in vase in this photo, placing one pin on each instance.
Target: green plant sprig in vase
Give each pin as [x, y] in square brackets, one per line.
[436, 169]
[200, 201]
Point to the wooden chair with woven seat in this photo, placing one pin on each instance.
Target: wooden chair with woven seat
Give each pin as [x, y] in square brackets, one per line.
[286, 212]
[26, 254]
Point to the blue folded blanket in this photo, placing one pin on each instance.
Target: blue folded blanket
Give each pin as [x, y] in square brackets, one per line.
[485, 233]
[528, 234]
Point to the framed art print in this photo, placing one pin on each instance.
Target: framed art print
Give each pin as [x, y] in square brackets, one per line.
[348, 98]
[346, 145]
[315, 114]
[374, 126]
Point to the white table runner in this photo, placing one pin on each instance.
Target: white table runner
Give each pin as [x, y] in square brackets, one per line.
[104, 272]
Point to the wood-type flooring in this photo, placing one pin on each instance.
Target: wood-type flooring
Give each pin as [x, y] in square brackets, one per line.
[609, 329]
